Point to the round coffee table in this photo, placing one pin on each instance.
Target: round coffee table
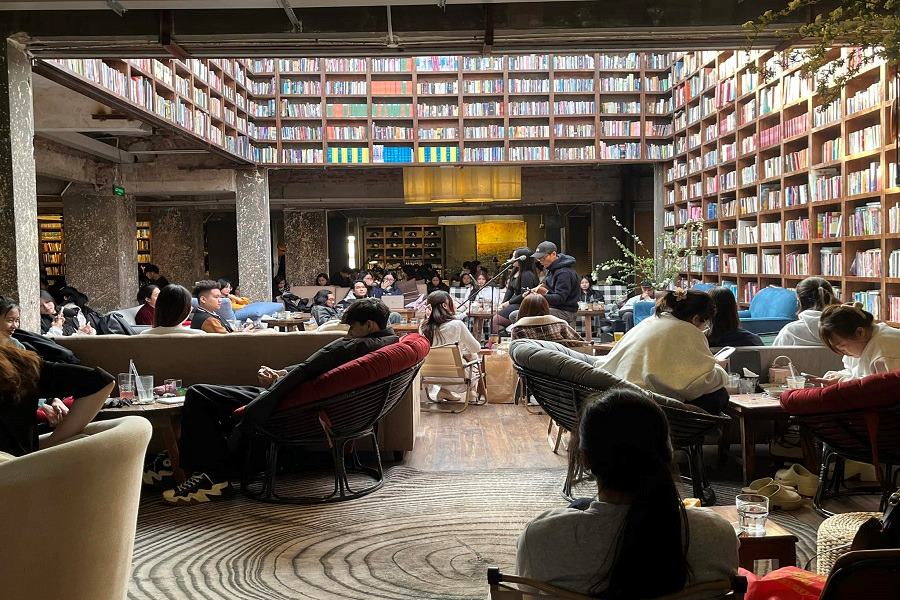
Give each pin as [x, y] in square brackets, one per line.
[166, 422]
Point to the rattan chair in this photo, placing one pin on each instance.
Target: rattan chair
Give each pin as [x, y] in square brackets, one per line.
[444, 365]
[337, 422]
[563, 401]
[846, 435]
[511, 587]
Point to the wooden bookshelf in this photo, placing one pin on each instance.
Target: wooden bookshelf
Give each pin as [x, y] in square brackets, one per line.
[388, 246]
[144, 237]
[50, 238]
[786, 166]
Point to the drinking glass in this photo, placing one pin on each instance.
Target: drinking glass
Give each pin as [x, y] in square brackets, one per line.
[145, 389]
[582, 306]
[734, 383]
[796, 382]
[618, 335]
[126, 386]
[752, 510]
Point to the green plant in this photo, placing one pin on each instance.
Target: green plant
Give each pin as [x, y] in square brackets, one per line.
[660, 266]
[871, 26]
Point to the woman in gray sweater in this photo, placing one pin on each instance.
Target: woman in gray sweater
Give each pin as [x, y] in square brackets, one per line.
[636, 540]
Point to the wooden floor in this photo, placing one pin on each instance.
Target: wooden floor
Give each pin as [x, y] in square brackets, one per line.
[503, 436]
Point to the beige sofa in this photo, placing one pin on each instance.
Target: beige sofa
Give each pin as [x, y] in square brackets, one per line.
[231, 359]
[70, 512]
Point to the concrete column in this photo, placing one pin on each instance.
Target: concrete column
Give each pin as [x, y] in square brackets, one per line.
[604, 230]
[254, 237]
[101, 248]
[306, 245]
[176, 244]
[659, 198]
[19, 266]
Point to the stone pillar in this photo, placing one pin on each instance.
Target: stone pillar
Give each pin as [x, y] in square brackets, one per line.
[176, 244]
[659, 199]
[101, 247]
[19, 266]
[254, 237]
[604, 230]
[306, 245]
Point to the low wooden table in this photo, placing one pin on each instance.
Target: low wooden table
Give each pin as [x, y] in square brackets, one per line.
[589, 315]
[290, 324]
[750, 408]
[602, 348]
[166, 422]
[777, 544]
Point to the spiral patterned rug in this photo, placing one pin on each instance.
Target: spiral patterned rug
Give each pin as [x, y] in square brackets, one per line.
[424, 535]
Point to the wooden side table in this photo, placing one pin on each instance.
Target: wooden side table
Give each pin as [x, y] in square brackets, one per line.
[589, 315]
[166, 422]
[777, 544]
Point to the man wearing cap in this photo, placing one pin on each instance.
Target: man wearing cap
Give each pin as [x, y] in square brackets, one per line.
[560, 286]
[626, 312]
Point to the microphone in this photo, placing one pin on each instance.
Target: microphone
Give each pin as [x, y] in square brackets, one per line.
[515, 260]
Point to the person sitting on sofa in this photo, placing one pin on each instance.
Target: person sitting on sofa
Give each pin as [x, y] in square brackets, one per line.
[209, 299]
[173, 305]
[636, 523]
[386, 287]
[208, 421]
[868, 347]
[359, 291]
[237, 302]
[54, 322]
[322, 280]
[323, 309]
[25, 378]
[435, 284]
[9, 322]
[626, 311]
[669, 354]
[146, 297]
[725, 327]
[536, 323]
[813, 295]
[587, 294]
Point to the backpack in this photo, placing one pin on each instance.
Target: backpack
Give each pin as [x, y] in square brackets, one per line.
[294, 303]
[49, 350]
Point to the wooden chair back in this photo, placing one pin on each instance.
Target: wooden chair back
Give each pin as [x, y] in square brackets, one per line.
[444, 362]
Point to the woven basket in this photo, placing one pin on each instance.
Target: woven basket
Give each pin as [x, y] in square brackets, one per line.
[835, 535]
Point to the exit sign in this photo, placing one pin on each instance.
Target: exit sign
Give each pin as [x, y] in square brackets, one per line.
[119, 190]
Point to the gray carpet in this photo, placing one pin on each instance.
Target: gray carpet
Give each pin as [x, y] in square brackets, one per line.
[422, 536]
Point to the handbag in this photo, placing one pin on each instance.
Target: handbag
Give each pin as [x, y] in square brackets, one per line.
[781, 370]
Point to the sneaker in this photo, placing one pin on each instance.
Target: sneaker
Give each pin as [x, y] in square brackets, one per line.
[157, 468]
[198, 488]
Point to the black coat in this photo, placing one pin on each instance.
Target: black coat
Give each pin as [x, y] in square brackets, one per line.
[563, 284]
[518, 283]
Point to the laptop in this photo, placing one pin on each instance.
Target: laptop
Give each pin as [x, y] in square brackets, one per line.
[393, 302]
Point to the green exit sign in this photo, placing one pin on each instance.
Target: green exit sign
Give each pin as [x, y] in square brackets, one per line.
[119, 190]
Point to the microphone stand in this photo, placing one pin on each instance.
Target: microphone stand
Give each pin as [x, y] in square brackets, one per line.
[494, 305]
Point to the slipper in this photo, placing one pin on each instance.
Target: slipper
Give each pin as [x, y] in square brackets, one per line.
[757, 485]
[781, 497]
[799, 477]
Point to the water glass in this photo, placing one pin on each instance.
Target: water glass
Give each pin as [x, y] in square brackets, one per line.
[796, 382]
[126, 386]
[582, 306]
[618, 335]
[732, 386]
[145, 389]
[752, 510]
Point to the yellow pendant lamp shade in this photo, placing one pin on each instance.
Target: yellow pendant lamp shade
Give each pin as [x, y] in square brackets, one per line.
[441, 185]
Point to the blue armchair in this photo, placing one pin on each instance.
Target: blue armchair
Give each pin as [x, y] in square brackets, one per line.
[771, 309]
[703, 287]
[643, 309]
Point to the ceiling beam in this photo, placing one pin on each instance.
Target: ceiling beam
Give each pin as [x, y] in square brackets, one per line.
[88, 145]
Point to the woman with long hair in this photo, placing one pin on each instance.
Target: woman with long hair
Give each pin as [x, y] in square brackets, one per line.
[813, 295]
[536, 323]
[442, 328]
[146, 297]
[725, 328]
[524, 277]
[9, 322]
[636, 540]
[669, 353]
[24, 378]
[867, 347]
[323, 309]
[435, 283]
[173, 305]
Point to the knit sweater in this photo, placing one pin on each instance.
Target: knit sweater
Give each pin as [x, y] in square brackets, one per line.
[668, 356]
[548, 328]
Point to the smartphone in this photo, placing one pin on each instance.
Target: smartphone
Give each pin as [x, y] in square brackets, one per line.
[724, 353]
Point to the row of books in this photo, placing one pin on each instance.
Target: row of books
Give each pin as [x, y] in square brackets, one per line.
[796, 263]
[529, 153]
[894, 264]
[864, 140]
[870, 300]
[864, 99]
[867, 263]
[796, 125]
[796, 229]
[866, 219]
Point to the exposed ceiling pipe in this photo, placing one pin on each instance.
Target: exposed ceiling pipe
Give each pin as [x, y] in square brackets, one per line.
[392, 43]
[296, 23]
[116, 7]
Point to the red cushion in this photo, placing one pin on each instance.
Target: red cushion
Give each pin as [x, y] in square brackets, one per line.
[874, 391]
[375, 366]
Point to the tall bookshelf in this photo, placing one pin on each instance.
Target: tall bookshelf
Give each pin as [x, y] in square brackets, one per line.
[144, 255]
[53, 255]
[389, 245]
[610, 107]
[786, 190]
[206, 99]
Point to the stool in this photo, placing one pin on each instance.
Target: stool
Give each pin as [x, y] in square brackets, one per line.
[835, 536]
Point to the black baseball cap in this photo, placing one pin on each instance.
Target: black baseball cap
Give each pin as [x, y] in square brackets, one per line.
[543, 249]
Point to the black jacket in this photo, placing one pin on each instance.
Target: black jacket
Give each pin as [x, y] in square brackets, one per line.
[736, 338]
[591, 295]
[335, 354]
[518, 283]
[562, 283]
[70, 324]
